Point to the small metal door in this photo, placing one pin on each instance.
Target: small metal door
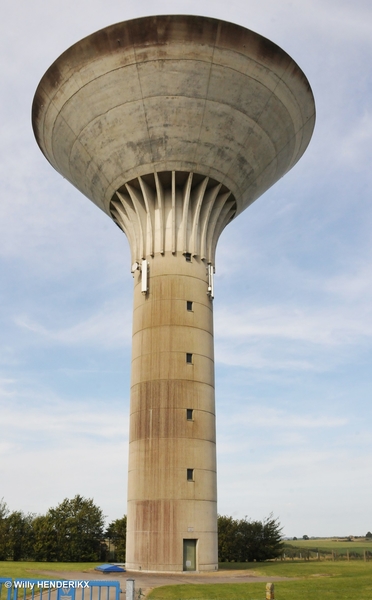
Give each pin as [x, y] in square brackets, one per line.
[189, 555]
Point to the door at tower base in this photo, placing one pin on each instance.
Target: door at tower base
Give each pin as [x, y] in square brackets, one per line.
[189, 555]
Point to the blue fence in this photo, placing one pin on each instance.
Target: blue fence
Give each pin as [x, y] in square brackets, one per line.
[5, 588]
[39, 589]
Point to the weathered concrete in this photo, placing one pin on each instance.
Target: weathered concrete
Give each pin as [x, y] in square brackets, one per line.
[173, 125]
[164, 508]
[177, 212]
[173, 93]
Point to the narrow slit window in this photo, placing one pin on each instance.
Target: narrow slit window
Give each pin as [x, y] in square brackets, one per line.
[189, 358]
[190, 474]
[188, 256]
[189, 305]
[189, 414]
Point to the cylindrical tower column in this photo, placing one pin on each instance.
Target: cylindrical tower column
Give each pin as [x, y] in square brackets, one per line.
[172, 493]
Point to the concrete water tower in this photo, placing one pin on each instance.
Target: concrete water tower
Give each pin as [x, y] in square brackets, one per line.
[173, 125]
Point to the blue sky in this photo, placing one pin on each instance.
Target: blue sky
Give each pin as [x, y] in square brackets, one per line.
[293, 287]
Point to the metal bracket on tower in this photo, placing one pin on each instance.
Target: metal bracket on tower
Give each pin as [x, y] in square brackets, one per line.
[135, 267]
[144, 277]
[210, 290]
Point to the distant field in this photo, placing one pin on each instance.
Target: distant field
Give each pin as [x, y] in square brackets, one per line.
[332, 544]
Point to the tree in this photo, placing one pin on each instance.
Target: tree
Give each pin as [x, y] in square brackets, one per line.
[227, 536]
[244, 540]
[19, 531]
[116, 534]
[77, 525]
[260, 540]
[44, 539]
[368, 535]
[305, 537]
[4, 533]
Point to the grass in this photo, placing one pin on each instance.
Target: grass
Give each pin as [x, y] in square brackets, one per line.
[33, 570]
[315, 581]
[325, 580]
[36, 570]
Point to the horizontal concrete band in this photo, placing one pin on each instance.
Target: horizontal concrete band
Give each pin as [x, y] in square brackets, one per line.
[169, 393]
[151, 485]
[149, 461]
[172, 423]
[176, 331]
[173, 338]
[200, 493]
[171, 311]
[172, 365]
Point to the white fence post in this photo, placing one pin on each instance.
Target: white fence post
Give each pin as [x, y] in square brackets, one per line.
[130, 589]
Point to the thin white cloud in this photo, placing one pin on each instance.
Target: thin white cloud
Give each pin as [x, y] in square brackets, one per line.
[356, 147]
[354, 287]
[264, 417]
[56, 447]
[323, 327]
[67, 420]
[4, 387]
[111, 327]
[341, 20]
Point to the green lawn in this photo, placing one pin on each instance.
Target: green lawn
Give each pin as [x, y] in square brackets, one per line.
[32, 570]
[316, 581]
[325, 580]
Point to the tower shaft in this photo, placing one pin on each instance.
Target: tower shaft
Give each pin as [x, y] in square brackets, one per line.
[172, 494]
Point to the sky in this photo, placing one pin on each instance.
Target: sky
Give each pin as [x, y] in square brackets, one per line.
[293, 290]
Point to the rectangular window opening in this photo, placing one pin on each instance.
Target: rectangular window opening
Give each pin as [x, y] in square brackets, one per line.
[189, 358]
[190, 474]
[189, 305]
[188, 256]
[189, 414]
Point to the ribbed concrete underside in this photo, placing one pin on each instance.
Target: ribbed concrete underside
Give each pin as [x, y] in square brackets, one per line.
[173, 212]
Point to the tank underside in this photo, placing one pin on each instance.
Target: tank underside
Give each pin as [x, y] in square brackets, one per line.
[173, 93]
[175, 212]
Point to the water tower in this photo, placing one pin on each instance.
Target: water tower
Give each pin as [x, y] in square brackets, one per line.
[173, 125]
